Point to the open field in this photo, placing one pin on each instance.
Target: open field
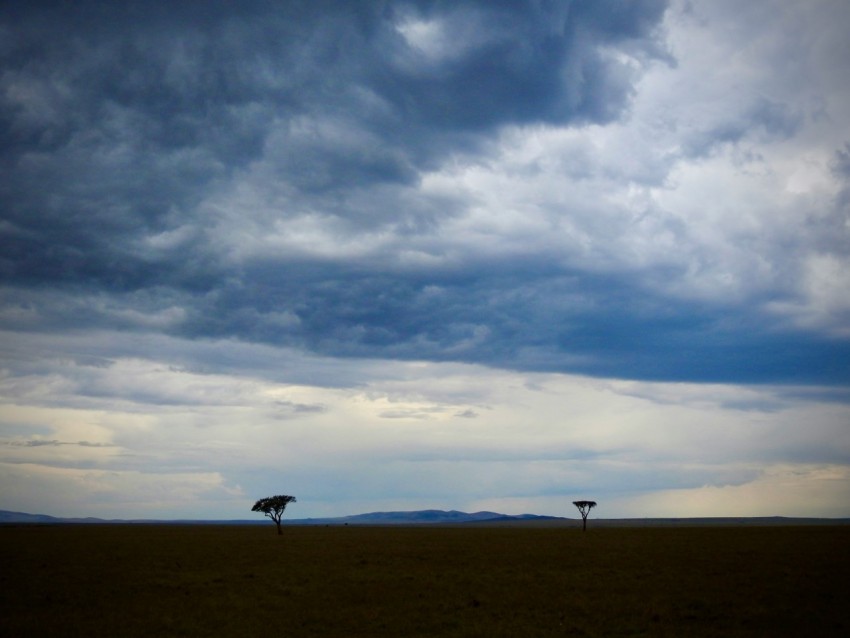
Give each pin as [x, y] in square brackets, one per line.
[169, 580]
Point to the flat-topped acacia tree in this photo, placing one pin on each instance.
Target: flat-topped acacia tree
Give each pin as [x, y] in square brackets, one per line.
[273, 507]
[584, 508]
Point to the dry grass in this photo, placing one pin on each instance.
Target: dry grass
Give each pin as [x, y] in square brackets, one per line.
[139, 580]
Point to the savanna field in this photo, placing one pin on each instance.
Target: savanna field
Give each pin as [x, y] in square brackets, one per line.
[196, 580]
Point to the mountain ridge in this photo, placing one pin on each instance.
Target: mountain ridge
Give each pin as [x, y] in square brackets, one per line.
[371, 518]
[435, 517]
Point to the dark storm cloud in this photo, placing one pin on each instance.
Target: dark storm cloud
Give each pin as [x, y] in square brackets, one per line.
[118, 118]
[532, 319]
[121, 122]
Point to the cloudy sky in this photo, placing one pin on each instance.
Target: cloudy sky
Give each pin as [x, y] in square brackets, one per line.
[419, 254]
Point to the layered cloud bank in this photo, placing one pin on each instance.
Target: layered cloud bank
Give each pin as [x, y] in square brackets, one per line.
[473, 255]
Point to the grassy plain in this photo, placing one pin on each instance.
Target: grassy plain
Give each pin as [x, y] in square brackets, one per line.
[168, 580]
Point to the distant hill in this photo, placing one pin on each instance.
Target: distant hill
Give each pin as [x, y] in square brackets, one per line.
[7, 517]
[442, 517]
[22, 517]
[372, 518]
[419, 517]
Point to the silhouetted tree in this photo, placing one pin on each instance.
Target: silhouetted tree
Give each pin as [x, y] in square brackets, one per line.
[273, 507]
[584, 508]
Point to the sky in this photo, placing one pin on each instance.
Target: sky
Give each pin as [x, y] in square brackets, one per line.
[400, 255]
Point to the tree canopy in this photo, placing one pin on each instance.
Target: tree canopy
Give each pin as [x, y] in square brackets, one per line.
[273, 507]
[584, 508]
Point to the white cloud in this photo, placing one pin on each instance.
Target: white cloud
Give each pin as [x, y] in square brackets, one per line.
[779, 490]
[114, 493]
[714, 177]
[824, 296]
[155, 438]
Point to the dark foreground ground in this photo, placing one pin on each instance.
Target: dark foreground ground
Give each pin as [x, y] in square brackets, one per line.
[151, 580]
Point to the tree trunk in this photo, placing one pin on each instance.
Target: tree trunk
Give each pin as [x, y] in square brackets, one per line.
[279, 532]
[584, 523]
